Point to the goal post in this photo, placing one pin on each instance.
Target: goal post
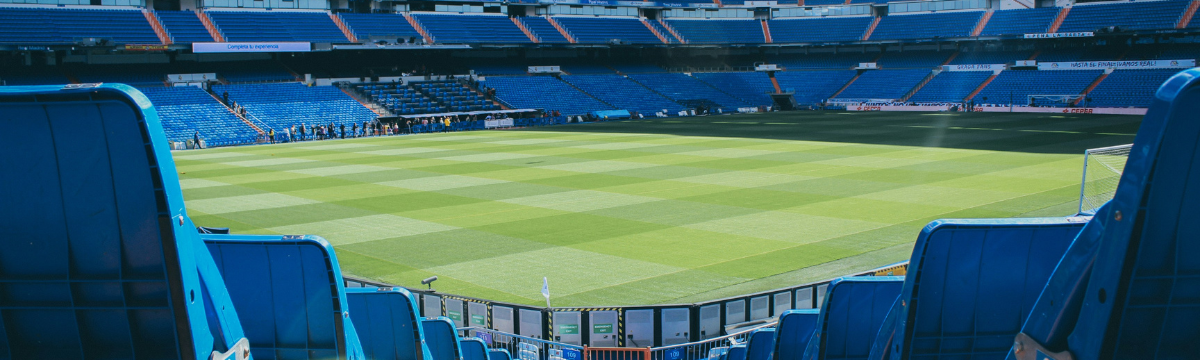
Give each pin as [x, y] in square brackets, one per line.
[1102, 169]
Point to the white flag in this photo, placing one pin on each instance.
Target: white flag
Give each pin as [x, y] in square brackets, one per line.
[546, 288]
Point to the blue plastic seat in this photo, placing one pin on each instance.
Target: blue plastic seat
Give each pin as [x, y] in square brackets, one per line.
[852, 315]
[386, 320]
[761, 344]
[100, 259]
[736, 352]
[792, 333]
[819, 29]
[441, 339]
[970, 285]
[1127, 286]
[473, 349]
[926, 25]
[499, 354]
[289, 293]
[706, 31]
[717, 353]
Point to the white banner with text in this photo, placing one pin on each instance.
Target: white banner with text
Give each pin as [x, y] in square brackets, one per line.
[974, 67]
[1060, 35]
[1022, 109]
[1131, 64]
[250, 47]
[896, 108]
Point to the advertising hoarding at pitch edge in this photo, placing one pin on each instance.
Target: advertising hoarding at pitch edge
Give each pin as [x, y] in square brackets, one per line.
[1127, 64]
[250, 47]
[1060, 35]
[974, 67]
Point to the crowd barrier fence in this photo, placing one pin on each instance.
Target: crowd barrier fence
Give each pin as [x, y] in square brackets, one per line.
[692, 329]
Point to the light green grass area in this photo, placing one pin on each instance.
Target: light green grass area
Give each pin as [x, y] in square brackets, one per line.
[647, 212]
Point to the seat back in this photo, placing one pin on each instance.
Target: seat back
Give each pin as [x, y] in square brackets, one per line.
[851, 316]
[717, 352]
[736, 352]
[441, 339]
[1127, 286]
[499, 354]
[761, 344]
[971, 283]
[386, 322]
[474, 349]
[100, 259]
[792, 333]
[290, 294]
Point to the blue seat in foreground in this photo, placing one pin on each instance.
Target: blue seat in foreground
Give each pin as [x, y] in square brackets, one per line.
[792, 333]
[851, 316]
[441, 338]
[1129, 286]
[386, 320]
[499, 354]
[99, 258]
[970, 284]
[288, 290]
[473, 349]
[761, 344]
[736, 352]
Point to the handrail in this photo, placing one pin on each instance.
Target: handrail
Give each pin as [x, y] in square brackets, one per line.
[467, 330]
[521, 347]
[258, 122]
[733, 338]
[689, 351]
[719, 338]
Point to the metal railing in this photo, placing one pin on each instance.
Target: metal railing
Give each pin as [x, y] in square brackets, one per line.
[699, 350]
[803, 296]
[591, 353]
[524, 347]
[258, 122]
[521, 347]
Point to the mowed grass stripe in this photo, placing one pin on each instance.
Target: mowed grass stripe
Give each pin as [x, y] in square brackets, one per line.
[648, 211]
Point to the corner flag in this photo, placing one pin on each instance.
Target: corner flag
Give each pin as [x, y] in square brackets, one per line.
[546, 290]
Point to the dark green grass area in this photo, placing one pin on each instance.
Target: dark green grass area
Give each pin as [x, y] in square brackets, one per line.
[648, 211]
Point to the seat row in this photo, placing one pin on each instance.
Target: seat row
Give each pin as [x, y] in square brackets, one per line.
[133, 277]
[426, 97]
[1114, 285]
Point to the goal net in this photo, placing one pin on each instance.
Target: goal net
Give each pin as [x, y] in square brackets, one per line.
[1102, 169]
[1051, 100]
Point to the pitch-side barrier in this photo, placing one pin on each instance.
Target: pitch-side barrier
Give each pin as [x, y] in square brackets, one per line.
[629, 327]
[528, 348]
[998, 109]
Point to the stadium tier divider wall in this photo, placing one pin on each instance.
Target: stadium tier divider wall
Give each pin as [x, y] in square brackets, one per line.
[623, 326]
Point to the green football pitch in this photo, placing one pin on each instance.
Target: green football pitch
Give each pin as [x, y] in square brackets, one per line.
[649, 211]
